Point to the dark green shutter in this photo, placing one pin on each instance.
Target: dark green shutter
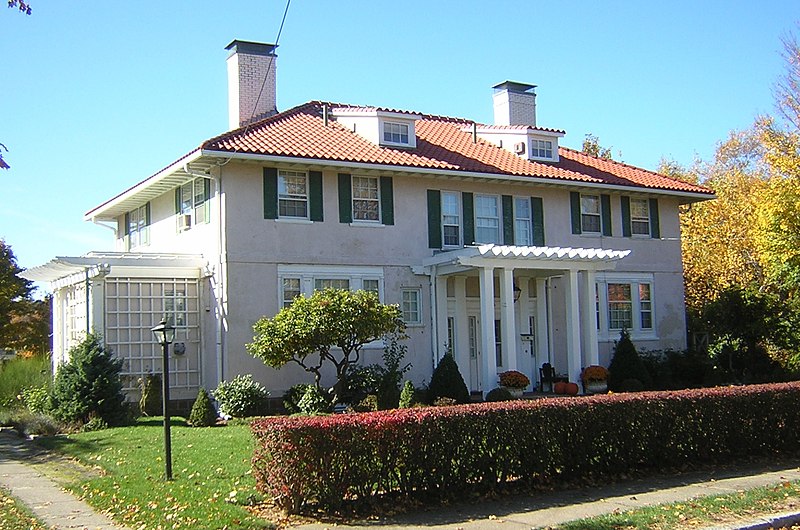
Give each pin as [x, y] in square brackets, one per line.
[434, 219]
[387, 201]
[655, 229]
[508, 220]
[575, 210]
[537, 219]
[625, 203]
[605, 214]
[270, 193]
[178, 199]
[345, 199]
[147, 214]
[315, 195]
[468, 208]
[127, 221]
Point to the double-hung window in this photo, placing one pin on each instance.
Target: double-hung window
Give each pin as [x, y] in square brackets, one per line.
[366, 199]
[410, 306]
[291, 290]
[292, 194]
[640, 217]
[645, 307]
[138, 227]
[620, 306]
[487, 219]
[192, 203]
[523, 231]
[451, 219]
[590, 214]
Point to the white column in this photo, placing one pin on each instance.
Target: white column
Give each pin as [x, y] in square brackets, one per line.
[542, 331]
[462, 330]
[489, 368]
[589, 318]
[441, 317]
[573, 326]
[508, 330]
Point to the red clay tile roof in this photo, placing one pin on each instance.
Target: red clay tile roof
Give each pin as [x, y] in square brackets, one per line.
[442, 143]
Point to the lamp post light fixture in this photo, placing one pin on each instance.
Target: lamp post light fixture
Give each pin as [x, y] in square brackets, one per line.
[165, 334]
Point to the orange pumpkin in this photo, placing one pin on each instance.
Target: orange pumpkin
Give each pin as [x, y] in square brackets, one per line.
[560, 387]
[571, 389]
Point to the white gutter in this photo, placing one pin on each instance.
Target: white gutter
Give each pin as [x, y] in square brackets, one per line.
[455, 173]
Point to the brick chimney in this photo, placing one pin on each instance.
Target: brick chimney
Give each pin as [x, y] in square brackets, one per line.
[248, 64]
[514, 104]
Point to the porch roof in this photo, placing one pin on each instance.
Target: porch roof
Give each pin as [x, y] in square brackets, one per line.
[524, 257]
[101, 263]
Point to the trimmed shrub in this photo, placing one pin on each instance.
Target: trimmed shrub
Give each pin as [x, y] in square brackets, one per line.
[446, 381]
[150, 403]
[203, 413]
[318, 462]
[89, 385]
[241, 397]
[499, 394]
[292, 397]
[37, 399]
[626, 364]
[407, 395]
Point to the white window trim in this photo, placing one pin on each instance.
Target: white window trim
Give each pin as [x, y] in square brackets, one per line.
[418, 292]
[308, 274]
[528, 219]
[282, 174]
[499, 209]
[532, 150]
[640, 219]
[637, 333]
[412, 137]
[459, 213]
[599, 214]
[143, 233]
[194, 206]
[353, 199]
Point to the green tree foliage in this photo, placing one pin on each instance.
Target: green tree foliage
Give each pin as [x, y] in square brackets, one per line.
[203, 413]
[591, 146]
[446, 381]
[407, 395]
[241, 397]
[89, 385]
[14, 292]
[307, 332]
[626, 366]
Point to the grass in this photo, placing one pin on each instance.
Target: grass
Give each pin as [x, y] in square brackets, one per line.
[699, 512]
[15, 516]
[211, 470]
[19, 373]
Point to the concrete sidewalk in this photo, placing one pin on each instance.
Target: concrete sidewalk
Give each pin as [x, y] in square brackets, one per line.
[48, 501]
[61, 510]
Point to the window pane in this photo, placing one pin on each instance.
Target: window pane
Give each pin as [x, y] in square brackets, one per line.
[370, 286]
[395, 132]
[410, 306]
[523, 232]
[645, 306]
[620, 306]
[640, 217]
[451, 219]
[291, 290]
[292, 194]
[487, 220]
[366, 204]
[332, 283]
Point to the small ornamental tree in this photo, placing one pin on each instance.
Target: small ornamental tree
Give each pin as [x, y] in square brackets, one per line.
[203, 413]
[446, 381]
[307, 332]
[626, 365]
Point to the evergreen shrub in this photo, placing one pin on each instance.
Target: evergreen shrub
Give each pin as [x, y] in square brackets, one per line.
[317, 462]
[499, 394]
[89, 385]
[626, 364]
[292, 397]
[446, 381]
[407, 395]
[203, 413]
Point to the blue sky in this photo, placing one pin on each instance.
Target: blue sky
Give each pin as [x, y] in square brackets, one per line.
[100, 95]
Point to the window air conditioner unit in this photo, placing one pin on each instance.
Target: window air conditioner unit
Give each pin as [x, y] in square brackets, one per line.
[519, 148]
[184, 222]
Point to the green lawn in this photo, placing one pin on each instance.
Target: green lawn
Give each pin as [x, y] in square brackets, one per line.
[211, 470]
[14, 516]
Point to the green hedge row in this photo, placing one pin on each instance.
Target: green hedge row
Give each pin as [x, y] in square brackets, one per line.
[322, 461]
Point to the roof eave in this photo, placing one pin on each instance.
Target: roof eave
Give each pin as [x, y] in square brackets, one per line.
[685, 196]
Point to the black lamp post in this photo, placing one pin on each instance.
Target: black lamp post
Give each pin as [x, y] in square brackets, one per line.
[165, 334]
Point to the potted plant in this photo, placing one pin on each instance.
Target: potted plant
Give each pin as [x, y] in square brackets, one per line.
[595, 379]
[515, 382]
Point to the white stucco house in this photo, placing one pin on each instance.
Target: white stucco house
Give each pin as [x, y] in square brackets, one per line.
[496, 242]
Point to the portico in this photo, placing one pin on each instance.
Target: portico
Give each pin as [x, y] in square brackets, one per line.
[506, 323]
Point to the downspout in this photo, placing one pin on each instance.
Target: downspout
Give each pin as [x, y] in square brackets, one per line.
[434, 317]
[218, 350]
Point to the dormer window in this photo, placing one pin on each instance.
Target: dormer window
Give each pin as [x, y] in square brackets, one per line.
[542, 149]
[395, 133]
